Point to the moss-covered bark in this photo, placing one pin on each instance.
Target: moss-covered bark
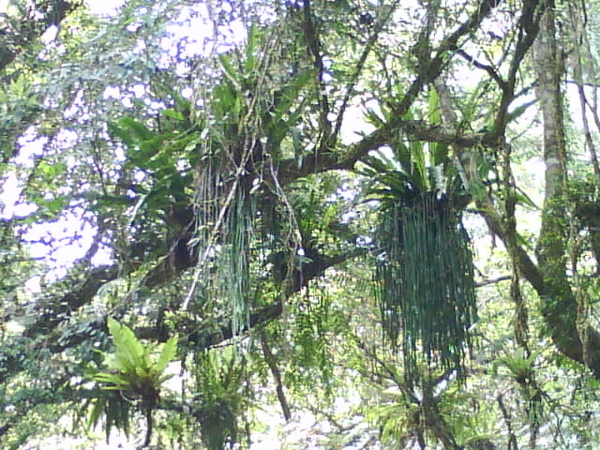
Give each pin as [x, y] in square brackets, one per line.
[559, 305]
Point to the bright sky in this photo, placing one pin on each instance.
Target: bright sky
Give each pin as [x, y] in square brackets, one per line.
[96, 6]
[102, 7]
[68, 225]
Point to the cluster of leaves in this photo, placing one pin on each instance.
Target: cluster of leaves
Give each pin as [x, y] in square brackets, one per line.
[136, 375]
[220, 396]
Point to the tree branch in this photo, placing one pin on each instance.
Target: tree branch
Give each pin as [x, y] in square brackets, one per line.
[42, 15]
[328, 159]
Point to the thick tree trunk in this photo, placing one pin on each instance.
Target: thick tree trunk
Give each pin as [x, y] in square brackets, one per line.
[559, 305]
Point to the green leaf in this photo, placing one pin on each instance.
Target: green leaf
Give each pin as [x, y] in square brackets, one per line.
[116, 131]
[523, 199]
[520, 110]
[53, 206]
[135, 128]
[228, 69]
[129, 352]
[250, 63]
[173, 114]
[281, 119]
[51, 170]
[96, 412]
[372, 117]
[439, 153]
[167, 354]
[478, 189]
[113, 381]
[418, 171]
[433, 108]
[152, 147]
[225, 96]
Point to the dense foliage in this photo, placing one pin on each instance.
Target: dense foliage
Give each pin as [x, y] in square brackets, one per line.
[299, 224]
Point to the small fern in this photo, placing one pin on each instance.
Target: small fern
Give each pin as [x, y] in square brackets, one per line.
[135, 373]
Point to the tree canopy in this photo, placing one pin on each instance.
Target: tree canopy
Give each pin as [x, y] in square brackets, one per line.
[222, 220]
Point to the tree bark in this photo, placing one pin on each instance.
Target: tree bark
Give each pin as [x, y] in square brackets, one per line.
[272, 363]
[559, 305]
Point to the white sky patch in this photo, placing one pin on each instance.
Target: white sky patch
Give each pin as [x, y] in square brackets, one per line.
[104, 7]
[9, 199]
[194, 29]
[30, 146]
[112, 92]
[140, 90]
[354, 125]
[75, 108]
[70, 230]
[50, 34]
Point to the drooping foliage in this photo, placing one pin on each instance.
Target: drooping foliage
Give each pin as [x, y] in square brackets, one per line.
[426, 282]
[240, 209]
[424, 273]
